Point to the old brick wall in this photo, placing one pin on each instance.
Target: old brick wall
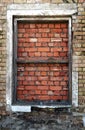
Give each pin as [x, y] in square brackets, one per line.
[79, 51]
[42, 42]
[78, 45]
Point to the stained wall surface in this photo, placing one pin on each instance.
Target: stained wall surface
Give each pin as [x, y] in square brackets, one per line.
[78, 46]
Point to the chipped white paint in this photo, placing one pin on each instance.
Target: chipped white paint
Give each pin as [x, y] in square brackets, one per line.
[9, 60]
[75, 89]
[21, 108]
[41, 7]
[32, 10]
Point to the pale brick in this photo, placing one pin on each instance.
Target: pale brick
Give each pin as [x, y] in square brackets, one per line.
[7, 1]
[20, 1]
[57, 1]
[46, 1]
[34, 1]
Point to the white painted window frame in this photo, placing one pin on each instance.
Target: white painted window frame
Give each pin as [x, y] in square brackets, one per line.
[49, 10]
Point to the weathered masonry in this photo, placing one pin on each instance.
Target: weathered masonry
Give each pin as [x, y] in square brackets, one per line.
[41, 59]
[42, 54]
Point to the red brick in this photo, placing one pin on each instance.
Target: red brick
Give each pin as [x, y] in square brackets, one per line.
[20, 25]
[20, 97]
[31, 92]
[43, 92]
[38, 44]
[30, 98]
[44, 97]
[32, 34]
[63, 35]
[22, 40]
[65, 30]
[55, 87]
[43, 39]
[56, 83]
[44, 54]
[25, 82]
[42, 78]
[63, 83]
[20, 44]
[33, 30]
[56, 73]
[38, 25]
[57, 49]
[65, 97]
[56, 30]
[65, 39]
[50, 44]
[51, 35]
[30, 87]
[64, 44]
[56, 98]
[19, 92]
[44, 44]
[65, 49]
[44, 25]
[31, 49]
[43, 49]
[44, 82]
[44, 35]
[38, 83]
[37, 54]
[64, 92]
[31, 78]
[26, 25]
[32, 25]
[37, 92]
[31, 73]
[64, 25]
[37, 73]
[43, 87]
[44, 73]
[38, 35]
[21, 30]
[63, 54]
[26, 40]
[57, 92]
[25, 92]
[44, 30]
[20, 78]
[51, 25]
[20, 83]
[31, 54]
[25, 35]
[50, 83]
[56, 54]
[57, 25]
[65, 78]
[50, 54]
[20, 35]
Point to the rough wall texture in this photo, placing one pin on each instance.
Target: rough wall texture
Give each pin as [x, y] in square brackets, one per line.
[45, 42]
[78, 45]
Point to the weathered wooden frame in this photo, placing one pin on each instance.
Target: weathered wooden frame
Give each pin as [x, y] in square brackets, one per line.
[40, 12]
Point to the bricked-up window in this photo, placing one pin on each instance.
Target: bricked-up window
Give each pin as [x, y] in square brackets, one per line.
[41, 62]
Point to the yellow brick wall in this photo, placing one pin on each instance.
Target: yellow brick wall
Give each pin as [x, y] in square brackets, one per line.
[78, 45]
